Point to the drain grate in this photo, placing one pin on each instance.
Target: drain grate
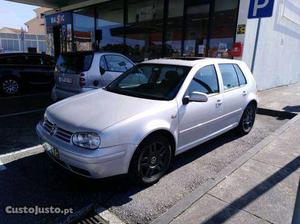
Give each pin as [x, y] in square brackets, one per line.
[91, 218]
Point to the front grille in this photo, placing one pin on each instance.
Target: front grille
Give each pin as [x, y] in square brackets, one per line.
[56, 131]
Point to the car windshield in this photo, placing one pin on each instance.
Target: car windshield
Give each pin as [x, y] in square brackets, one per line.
[74, 63]
[151, 81]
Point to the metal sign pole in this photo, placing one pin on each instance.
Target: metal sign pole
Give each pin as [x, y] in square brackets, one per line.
[255, 45]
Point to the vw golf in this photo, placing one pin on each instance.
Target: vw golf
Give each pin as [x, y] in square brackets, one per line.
[151, 113]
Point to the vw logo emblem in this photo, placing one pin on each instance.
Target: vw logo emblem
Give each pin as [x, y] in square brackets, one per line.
[53, 130]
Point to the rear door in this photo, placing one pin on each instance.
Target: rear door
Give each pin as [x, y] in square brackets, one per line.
[115, 65]
[235, 93]
[70, 68]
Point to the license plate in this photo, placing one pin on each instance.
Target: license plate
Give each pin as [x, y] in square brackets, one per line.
[51, 150]
[65, 80]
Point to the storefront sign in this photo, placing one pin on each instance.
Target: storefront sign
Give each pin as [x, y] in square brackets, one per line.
[241, 29]
[59, 19]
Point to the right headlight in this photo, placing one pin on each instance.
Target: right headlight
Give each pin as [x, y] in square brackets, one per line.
[88, 140]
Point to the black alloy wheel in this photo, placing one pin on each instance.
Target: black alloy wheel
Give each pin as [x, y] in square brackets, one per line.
[248, 119]
[152, 160]
[10, 86]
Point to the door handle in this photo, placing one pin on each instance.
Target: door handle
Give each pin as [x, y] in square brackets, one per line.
[245, 93]
[219, 102]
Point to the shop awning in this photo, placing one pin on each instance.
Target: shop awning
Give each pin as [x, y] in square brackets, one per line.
[49, 3]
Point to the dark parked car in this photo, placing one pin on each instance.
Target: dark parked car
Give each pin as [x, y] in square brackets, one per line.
[19, 71]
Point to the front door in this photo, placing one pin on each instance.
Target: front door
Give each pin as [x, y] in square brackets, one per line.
[200, 121]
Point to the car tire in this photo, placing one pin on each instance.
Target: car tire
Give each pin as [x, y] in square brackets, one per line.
[151, 160]
[247, 120]
[10, 86]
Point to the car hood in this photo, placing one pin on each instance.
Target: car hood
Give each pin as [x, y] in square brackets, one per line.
[97, 110]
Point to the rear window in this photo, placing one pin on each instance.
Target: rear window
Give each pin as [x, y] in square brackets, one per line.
[74, 63]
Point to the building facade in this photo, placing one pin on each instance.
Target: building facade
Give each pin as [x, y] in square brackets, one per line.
[146, 29]
[37, 24]
[12, 43]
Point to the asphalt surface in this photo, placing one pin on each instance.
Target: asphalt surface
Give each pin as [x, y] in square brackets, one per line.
[37, 181]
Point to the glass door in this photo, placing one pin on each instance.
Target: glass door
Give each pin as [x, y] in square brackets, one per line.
[196, 27]
[144, 29]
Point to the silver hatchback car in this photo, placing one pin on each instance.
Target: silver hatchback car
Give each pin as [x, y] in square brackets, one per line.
[84, 71]
[151, 113]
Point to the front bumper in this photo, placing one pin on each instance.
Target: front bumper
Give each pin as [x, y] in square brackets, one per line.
[100, 163]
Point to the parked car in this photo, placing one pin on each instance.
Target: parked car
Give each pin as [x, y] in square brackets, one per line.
[84, 71]
[151, 113]
[19, 71]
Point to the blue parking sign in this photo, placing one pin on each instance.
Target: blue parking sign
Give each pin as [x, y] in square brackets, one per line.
[260, 9]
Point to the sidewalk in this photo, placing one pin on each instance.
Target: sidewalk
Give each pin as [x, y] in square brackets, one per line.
[286, 98]
[261, 186]
[262, 190]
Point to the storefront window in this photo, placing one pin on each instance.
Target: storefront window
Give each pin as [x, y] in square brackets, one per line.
[110, 33]
[174, 28]
[144, 29]
[84, 29]
[223, 28]
[197, 20]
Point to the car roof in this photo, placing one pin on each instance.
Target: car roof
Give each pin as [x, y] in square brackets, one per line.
[188, 61]
[90, 52]
[23, 54]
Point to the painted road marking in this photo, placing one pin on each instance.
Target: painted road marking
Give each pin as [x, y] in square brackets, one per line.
[21, 113]
[9, 157]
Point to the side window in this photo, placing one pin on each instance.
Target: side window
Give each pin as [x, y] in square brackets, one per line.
[47, 61]
[34, 60]
[205, 81]
[116, 63]
[229, 76]
[19, 60]
[240, 74]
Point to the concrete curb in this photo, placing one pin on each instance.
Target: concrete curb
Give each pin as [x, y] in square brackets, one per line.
[194, 196]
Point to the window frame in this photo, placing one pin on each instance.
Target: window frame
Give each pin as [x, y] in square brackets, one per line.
[236, 65]
[100, 60]
[232, 88]
[217, 77]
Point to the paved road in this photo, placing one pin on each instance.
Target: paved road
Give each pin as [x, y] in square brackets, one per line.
[35, 180]
[18, 117]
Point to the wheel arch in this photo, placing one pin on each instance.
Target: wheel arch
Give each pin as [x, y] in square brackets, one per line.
[163, 132]
[253, 101]
[166, 133]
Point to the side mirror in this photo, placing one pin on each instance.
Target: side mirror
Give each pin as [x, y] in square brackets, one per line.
[102, 70]
[195, 97]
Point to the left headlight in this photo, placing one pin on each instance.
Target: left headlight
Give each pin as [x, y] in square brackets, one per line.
[86, 140]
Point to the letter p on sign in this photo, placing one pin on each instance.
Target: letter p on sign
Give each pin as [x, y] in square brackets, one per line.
[260, 8]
